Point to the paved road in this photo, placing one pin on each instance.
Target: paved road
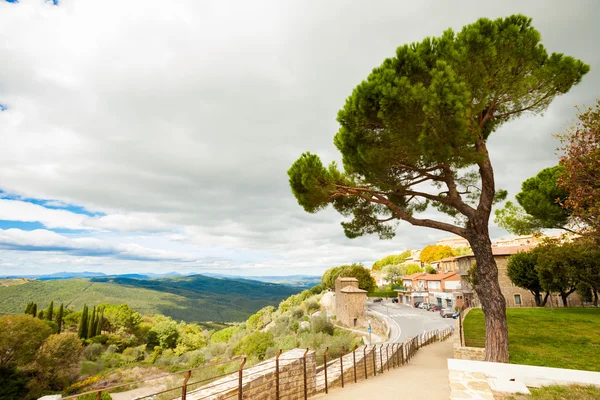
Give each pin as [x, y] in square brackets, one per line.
[407, 322]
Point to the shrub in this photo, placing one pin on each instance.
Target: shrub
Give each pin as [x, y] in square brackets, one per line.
[93, 351]
[102, 339]
[224, 334]
[322, 324]
[92, 396]
[311, 305]
[297, 312]
[256, 343]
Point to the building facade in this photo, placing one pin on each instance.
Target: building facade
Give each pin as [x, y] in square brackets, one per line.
[350, 302]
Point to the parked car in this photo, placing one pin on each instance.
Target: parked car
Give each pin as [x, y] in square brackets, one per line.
[434, 307]
[378, 300]
[395, 300]
[447, 313]
[417, 304]
[424, 306]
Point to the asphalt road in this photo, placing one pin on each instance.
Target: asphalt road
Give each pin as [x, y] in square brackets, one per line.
[407, 322]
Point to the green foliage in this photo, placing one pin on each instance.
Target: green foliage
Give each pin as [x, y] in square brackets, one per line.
[50, 311]
[260, 319]
[93, 351]
[383, 293]
[310, 306]
[461, 251]
[540, 205]
[559, 267]
[365, 279]
[93, 396]
[12, 384]
[191, 299]
[394, 273]
[434, 252]
[392, 259]
[82, 331]
[413, 269]
[121, 316]
[254, 344]
[419, 116]
[191, 338]
[559, 338]
[59, 318]
[224, 335]
[521, 270]
[57, 363]
[166, 333]
[430, 270]
[20, 337]
[321, 324]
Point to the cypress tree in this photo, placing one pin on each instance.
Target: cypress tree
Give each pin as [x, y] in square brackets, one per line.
[33, 310]
[41, 314]
[28, 307]
[59, 317]
[100, 322]
[83, 324]
[50, 311]
[92, 324]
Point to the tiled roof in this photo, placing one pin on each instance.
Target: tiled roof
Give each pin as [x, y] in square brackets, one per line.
[430, 277]
[352, 289]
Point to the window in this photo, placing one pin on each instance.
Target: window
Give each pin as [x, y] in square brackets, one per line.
[517, 299]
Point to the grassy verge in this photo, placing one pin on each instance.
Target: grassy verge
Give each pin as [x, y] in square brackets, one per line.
[563, 338]
[557, 393]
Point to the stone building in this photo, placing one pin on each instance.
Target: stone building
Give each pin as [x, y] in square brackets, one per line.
[349, 301]
[514, 295]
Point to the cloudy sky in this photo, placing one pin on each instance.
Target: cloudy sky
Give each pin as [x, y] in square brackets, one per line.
[145, 135]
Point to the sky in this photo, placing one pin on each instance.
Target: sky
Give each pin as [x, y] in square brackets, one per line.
[153, 136]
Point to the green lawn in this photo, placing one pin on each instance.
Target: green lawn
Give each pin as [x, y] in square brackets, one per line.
[563, 338]
[557, 393]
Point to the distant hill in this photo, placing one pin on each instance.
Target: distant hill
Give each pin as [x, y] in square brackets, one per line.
[303, 281]
[191, 298]
[88, 274]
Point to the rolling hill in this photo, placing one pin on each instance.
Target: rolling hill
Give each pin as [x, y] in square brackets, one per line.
[191, 298]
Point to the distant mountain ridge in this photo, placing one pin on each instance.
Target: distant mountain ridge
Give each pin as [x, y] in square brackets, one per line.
[195, 298]
[303, 281]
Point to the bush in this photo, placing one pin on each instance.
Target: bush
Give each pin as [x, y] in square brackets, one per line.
[224, 335]
[321, 324]
[256, 343]
[317, 289]
[102, 339]
[297, 312]
[93, 351]
[311, 305]
[389, 293]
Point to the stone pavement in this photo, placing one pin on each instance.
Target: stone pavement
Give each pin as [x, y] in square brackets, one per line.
[425, 377]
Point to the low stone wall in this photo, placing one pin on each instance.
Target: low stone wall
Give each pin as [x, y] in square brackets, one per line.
[259, 381]
[464, 352]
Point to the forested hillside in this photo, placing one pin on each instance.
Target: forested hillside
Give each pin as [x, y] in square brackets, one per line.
[192, 299]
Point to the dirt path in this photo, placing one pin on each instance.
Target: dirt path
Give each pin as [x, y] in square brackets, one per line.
[425, 377]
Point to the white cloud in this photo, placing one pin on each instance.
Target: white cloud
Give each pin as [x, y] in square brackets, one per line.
[179, 119]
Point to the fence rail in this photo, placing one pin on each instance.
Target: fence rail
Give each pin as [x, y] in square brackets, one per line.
[290, 375]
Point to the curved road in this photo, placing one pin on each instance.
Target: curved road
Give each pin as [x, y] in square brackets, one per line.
[407, 322]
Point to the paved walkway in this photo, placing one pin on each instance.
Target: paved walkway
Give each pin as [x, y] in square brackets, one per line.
[425, 377]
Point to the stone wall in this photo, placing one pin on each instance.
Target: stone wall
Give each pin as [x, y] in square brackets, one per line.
[259, 381]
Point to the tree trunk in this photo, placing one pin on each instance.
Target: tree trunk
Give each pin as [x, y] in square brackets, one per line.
[545, 299]
[595, 298]
[492, 300]
[564, 297]
[536, 296]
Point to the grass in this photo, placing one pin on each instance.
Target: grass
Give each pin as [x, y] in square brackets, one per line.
[12, 282]
[192, 299]
[575, 392]
[563, 338]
